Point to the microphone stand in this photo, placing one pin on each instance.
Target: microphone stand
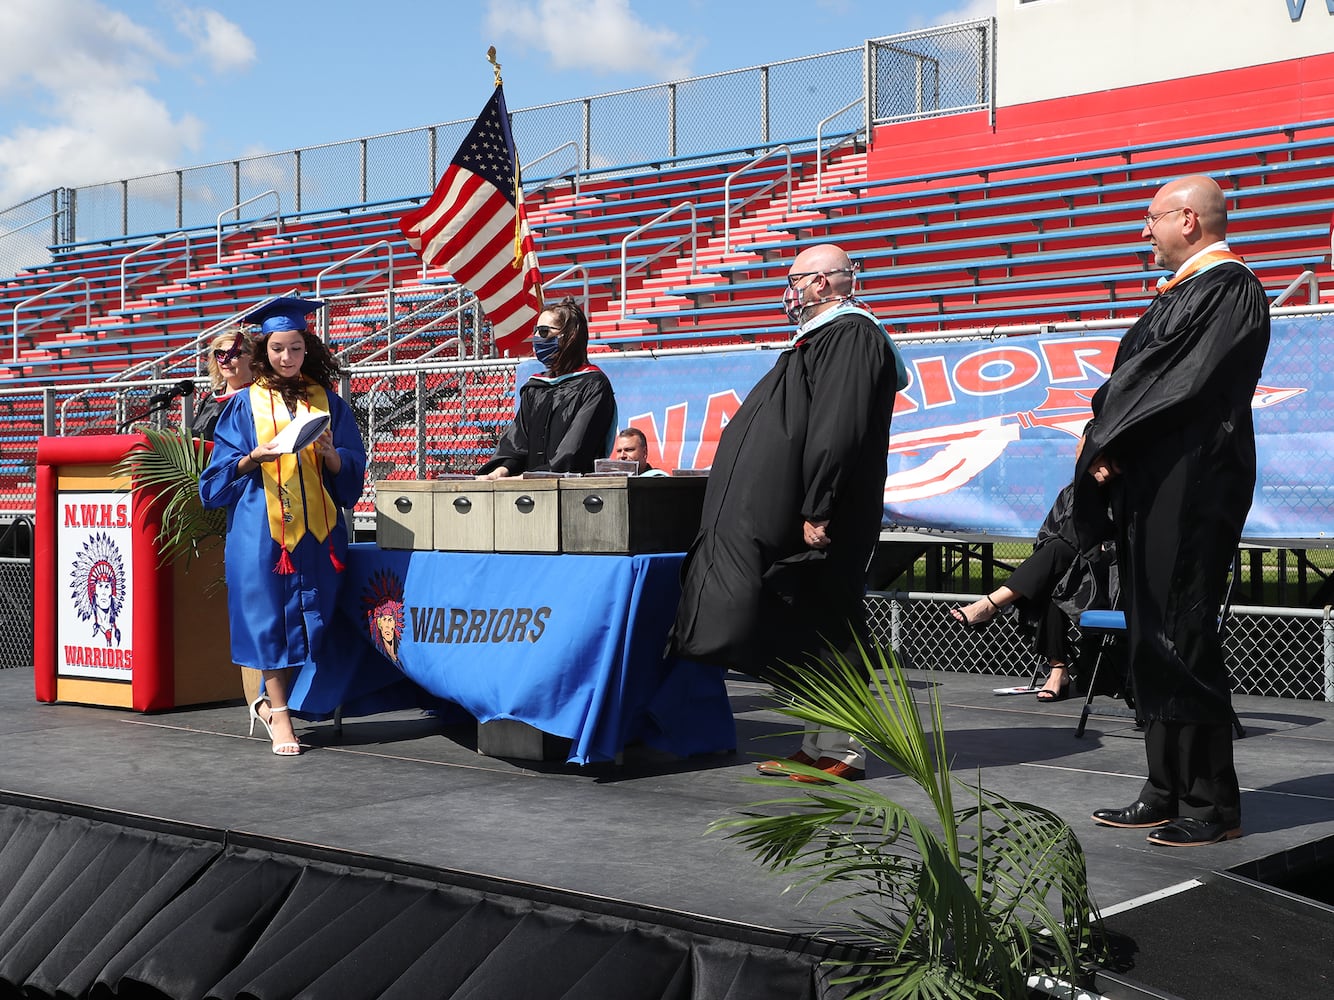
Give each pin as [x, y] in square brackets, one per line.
[157, 405]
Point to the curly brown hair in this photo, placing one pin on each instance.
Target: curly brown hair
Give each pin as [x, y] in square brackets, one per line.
[320, 366]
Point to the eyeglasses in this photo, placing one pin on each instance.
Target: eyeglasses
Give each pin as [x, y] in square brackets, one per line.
[1151, 217]
[793, 279]
[545, 331]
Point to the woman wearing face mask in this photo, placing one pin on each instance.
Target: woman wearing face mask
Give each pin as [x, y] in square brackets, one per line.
[286, 538]
[567, 413]
[229, 372]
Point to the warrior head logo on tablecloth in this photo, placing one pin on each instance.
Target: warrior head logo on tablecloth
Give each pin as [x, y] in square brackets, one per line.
[383, 602]
[97, 586]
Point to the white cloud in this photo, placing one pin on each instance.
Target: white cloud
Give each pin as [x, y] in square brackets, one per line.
[604, 36]
[222, 43]
[77, 79]
[968, 11]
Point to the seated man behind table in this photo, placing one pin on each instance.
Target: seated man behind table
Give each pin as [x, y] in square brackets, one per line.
[632, 446]
[566, 413]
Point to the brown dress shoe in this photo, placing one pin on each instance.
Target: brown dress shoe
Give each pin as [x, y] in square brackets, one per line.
[833, 768]
[780, 768]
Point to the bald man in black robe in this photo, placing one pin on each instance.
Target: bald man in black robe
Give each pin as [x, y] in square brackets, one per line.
[794, 502]
[1172, 439]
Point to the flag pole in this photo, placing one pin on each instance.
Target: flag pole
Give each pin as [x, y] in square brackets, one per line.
[518, 184]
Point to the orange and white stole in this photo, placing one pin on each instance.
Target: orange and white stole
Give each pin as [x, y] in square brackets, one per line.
[1199, 265]
[294, 492]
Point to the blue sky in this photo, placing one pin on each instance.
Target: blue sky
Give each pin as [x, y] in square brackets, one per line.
[97, 90]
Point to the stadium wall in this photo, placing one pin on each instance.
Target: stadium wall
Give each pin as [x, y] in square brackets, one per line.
[1266, 95]
[1051, 49]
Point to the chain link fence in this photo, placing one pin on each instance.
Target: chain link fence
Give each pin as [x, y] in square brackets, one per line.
[1271, 652]
[15, 612]
[926, 74]
[921, 74]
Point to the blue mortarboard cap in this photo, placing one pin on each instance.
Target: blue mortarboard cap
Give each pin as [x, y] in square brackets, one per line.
[286, 313]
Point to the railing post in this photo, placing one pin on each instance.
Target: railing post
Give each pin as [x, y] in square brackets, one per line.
[49, 410]
[588, 130]
[364, 143]
[297, 174]
[1327, 629]
[764, 105]
[421, 423]
[671, 120]
[895, 624]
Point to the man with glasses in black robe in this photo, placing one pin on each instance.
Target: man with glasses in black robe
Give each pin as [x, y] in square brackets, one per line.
[794, 503]
[1172, 440]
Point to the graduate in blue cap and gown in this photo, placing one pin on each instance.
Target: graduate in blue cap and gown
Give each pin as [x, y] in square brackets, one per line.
[286, 540]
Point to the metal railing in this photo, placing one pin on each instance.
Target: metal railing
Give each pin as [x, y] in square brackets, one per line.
[578, 167]
[87, 305]
[758, 193]
[1270, 652]
[627, 271]
[1306, 281]
[712, 117]
[387, 272]
[843, 141]
[162, 266]
[243, 226]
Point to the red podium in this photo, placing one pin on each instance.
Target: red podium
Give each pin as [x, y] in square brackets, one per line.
[112, 626]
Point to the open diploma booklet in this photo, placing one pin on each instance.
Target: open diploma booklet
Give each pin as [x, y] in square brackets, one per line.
[304, 428]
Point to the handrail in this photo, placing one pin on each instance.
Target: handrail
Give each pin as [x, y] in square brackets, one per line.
[275, 215]
[578, 166]
[87, 305]
[465, 302]
[124, 261]
[389, 292]
[819, 153]
[1307, 280]
[727, 189]
[694, 246]
[45, 218]
[565, 274]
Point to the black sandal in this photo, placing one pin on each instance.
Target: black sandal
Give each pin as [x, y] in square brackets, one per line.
[959, 618]
[1047, 696]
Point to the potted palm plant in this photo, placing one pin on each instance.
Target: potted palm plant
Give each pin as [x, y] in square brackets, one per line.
[165, 470]
[971, 900]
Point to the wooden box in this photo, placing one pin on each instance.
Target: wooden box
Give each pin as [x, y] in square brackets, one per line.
[405, 514]
[619, 515]
[527, 515]
[465, 516]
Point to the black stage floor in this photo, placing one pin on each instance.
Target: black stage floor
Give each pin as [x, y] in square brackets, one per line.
[404, 787]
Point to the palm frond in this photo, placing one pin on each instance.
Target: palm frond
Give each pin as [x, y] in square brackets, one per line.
[165, 472]
[962, 901]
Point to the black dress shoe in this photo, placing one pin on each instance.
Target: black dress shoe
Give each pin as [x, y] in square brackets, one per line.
[1136, 816]
[1190, 832]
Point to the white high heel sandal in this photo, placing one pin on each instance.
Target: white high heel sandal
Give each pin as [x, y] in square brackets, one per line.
[286, 749]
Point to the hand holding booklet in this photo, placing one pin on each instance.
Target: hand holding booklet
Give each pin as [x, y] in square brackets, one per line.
[304, 428]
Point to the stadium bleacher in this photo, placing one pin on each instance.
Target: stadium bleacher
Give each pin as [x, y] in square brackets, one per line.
[970, 245]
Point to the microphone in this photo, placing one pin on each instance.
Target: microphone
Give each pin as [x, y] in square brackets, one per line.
[185, 387]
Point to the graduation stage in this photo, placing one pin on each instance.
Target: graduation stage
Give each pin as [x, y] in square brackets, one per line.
[352, 864]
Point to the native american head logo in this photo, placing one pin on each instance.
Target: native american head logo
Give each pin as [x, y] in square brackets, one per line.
[382, 601]
[97, 586]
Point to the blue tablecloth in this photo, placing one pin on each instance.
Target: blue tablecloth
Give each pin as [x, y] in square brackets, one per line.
[571, 645]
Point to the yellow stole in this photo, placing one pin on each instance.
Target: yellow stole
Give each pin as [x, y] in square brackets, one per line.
[293, 484]
[1198, 265]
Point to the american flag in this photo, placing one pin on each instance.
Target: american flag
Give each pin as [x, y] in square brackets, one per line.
[474, 225]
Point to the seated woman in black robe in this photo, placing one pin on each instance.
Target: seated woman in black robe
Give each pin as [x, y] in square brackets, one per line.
[1055, 582]
[567, 413]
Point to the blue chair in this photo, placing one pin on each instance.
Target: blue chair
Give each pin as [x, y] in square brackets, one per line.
[1108, 627]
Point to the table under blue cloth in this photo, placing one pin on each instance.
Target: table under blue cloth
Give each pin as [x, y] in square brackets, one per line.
[569, 644]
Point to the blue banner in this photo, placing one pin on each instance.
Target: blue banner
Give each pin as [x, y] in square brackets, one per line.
[984, 435]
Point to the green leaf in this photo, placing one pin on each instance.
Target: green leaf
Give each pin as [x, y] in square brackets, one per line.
[957, 902]
[164, 472]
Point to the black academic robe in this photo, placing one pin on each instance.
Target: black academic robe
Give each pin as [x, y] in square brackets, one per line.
[1176, 415]
[564, 424]
[809, 443]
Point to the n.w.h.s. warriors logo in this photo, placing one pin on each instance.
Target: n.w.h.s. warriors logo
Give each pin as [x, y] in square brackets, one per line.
[382, 602]
[97, 586]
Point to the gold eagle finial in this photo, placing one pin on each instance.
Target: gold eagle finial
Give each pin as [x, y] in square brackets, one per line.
[495, 66]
